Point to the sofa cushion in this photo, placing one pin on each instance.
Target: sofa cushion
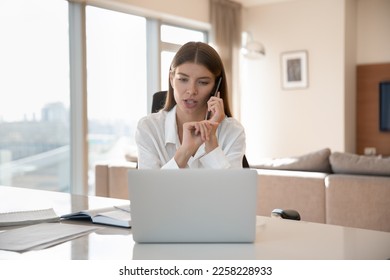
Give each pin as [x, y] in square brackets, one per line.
[347, 163]
[317, 161]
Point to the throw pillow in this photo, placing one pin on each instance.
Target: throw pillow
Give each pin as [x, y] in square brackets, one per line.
[347, 163]
[317, 161]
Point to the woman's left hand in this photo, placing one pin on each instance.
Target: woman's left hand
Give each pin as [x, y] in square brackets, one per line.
[215, 106]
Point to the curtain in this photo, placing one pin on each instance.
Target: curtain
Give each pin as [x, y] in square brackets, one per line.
[225, 35]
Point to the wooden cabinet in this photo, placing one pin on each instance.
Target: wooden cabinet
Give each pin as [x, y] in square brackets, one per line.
[367, 108]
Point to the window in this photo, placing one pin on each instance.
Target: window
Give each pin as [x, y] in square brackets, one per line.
[34, 118]
[116, 67]
[179, 35]
[172, 38]
[35, 124]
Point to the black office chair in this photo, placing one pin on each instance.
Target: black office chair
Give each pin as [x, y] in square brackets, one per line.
[158, 103]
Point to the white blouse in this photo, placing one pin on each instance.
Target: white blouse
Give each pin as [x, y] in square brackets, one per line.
[157, 141]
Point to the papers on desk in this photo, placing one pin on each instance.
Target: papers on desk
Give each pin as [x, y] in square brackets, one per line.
[113, 216]
[40, 236]
[41, 232]
[28, 217]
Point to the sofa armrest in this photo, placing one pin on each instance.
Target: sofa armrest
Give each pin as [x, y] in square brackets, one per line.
[111, 179]
[299, 190]
[358, 201]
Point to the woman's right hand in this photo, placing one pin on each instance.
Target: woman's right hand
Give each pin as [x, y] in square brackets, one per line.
[194, 135]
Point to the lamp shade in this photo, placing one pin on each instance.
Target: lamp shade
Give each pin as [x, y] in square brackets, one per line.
[252, 49]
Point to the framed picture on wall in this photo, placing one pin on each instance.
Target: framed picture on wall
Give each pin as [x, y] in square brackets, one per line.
[294, 70]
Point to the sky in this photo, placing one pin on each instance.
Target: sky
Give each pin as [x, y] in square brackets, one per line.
[29, 70]
[34, 56]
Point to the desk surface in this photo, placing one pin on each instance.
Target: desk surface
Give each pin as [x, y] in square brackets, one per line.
[275, 239]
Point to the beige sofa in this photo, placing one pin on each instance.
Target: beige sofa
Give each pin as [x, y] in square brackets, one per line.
[324, 187]
[334, 188]
[347, 200]
[111, 179]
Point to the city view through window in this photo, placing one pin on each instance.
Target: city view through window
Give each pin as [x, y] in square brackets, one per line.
[34, 90]
[35, 125]
[116, 84]
[34, 108]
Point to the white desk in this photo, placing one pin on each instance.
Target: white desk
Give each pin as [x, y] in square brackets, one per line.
[276, 239]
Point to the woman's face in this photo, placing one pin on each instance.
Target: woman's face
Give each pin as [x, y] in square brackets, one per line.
[192, 84]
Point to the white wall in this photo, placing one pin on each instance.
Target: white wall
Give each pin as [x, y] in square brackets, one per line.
[338, 34]
[350, 53]
[192, 11]
[373, 37]
[291, 122]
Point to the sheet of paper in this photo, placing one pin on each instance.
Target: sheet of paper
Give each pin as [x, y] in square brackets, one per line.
[41, 236]
[28, 217]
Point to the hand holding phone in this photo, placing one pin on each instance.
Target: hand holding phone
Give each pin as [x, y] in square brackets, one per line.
[214, 92]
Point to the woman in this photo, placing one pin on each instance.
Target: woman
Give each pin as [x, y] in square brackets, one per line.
[180, 135]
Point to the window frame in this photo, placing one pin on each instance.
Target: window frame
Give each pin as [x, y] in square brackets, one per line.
[78, 79]
[78, 100]
[172, 47]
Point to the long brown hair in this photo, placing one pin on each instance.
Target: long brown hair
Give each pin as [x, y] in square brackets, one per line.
[203, 54]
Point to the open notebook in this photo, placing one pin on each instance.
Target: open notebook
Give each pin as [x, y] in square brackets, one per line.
[113, 216]
[193, 205]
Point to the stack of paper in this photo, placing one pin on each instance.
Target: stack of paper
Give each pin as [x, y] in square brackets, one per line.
[28, 217]
[40, 236]
[44, 233]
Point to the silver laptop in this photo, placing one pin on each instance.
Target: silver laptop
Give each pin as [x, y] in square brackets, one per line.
[193, 205]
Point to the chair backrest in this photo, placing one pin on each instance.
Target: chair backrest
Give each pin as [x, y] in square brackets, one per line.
[158, 103]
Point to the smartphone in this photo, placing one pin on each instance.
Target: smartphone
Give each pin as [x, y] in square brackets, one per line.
[214, 93]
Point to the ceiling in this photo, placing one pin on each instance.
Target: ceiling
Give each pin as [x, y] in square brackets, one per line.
[250, 3]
